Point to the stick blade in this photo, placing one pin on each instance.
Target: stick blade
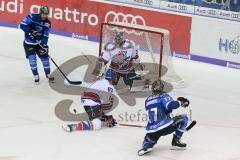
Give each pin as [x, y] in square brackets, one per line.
[75, 82]
[191, 125]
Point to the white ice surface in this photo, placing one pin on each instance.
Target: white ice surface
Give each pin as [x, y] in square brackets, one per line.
[29, 129]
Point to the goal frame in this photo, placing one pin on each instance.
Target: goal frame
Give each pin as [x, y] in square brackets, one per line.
[137, 29]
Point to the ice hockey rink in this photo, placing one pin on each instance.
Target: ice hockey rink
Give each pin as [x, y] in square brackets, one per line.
[30, 130]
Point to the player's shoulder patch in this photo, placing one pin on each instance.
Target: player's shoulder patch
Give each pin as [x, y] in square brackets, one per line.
[126, 44]
[110, 46]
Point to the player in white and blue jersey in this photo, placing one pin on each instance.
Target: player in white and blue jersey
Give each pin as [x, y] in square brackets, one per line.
[36, 28]
[159, 107]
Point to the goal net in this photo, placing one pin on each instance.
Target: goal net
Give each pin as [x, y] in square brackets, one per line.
[154, 51]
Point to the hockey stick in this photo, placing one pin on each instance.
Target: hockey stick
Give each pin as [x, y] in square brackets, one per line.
[189, 127]
[71, 82]
[131, 125]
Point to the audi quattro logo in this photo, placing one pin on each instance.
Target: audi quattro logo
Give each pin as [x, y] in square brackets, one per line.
[127, 19]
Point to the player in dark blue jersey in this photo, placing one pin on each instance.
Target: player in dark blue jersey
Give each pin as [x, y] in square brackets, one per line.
[36, 28]
[159, 107]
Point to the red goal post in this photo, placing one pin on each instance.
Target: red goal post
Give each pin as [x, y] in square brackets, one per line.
[154, 48]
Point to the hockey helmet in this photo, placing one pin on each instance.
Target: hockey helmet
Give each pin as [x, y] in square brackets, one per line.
[157, 87]
[118, 36]
[108, 75]
[44, 10]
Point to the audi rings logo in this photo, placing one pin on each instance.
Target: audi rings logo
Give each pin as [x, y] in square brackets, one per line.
[124, 19]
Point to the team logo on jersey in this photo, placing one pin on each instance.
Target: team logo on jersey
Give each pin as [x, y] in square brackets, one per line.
[39, 28]
[122, 53]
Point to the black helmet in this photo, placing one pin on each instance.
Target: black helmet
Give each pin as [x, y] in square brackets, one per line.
[157, 87]
[44, 10]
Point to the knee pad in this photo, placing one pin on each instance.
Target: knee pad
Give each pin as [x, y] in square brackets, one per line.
[96, 123]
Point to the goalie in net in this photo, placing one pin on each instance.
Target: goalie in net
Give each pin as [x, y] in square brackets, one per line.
[120, 53]
[138, 54]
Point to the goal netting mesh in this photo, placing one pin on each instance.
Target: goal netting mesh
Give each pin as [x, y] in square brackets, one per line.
[154, 51]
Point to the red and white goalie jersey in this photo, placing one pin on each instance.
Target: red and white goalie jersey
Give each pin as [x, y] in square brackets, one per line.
[120, 55]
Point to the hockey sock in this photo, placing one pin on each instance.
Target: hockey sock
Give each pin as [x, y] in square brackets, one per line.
[33, 64]
[179, 134]
[46, 65]
[148, 143]
[85, 125]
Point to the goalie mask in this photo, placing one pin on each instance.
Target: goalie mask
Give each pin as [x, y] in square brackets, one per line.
[157, 87]
[118, 37]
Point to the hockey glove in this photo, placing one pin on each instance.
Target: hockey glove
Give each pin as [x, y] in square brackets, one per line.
[44, 49]
[184, 101]
[109, 120]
